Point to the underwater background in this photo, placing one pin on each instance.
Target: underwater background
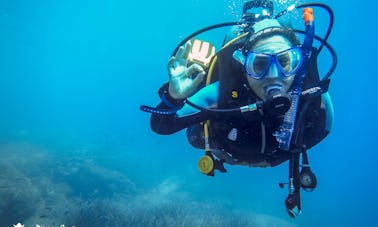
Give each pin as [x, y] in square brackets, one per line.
[75, 149]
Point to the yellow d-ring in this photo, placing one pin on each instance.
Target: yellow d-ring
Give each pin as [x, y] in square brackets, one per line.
[206, 164]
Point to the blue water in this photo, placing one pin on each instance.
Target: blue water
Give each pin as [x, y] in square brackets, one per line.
[76, 150]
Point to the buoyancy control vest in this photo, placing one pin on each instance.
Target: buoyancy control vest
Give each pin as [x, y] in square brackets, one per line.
[248, 138]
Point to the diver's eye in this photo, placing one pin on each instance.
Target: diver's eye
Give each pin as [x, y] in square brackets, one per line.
[289, 60]
[284, 61]
[260, 63]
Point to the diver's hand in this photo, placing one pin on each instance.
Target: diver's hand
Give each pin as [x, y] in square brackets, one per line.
[183, 80]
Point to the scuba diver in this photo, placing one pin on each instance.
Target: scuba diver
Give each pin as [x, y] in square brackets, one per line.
[259, 101]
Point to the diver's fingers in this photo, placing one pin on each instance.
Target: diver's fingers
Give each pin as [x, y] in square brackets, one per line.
[171, 66]
[188, 47]
[171, 63]
[194, 69]
[179, 52]
[183, 52]
[198, 79]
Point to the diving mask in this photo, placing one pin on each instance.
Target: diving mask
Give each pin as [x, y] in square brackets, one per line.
[287, 61]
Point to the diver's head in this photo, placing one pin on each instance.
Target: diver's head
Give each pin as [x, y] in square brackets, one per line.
[271, 65]
[271, 57]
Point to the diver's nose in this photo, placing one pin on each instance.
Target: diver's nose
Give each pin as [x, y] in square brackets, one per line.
[273, 71]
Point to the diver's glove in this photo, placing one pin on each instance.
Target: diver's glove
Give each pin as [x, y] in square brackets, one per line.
[183, 80]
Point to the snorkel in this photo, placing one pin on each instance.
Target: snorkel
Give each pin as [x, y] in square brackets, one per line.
[285, 132]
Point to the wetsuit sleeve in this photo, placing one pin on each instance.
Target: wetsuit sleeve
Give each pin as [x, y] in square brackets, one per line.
[328, 107]
[187, 115]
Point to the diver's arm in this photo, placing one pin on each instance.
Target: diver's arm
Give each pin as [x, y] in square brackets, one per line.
[169, 124]
[187, 115]
[328, 107]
